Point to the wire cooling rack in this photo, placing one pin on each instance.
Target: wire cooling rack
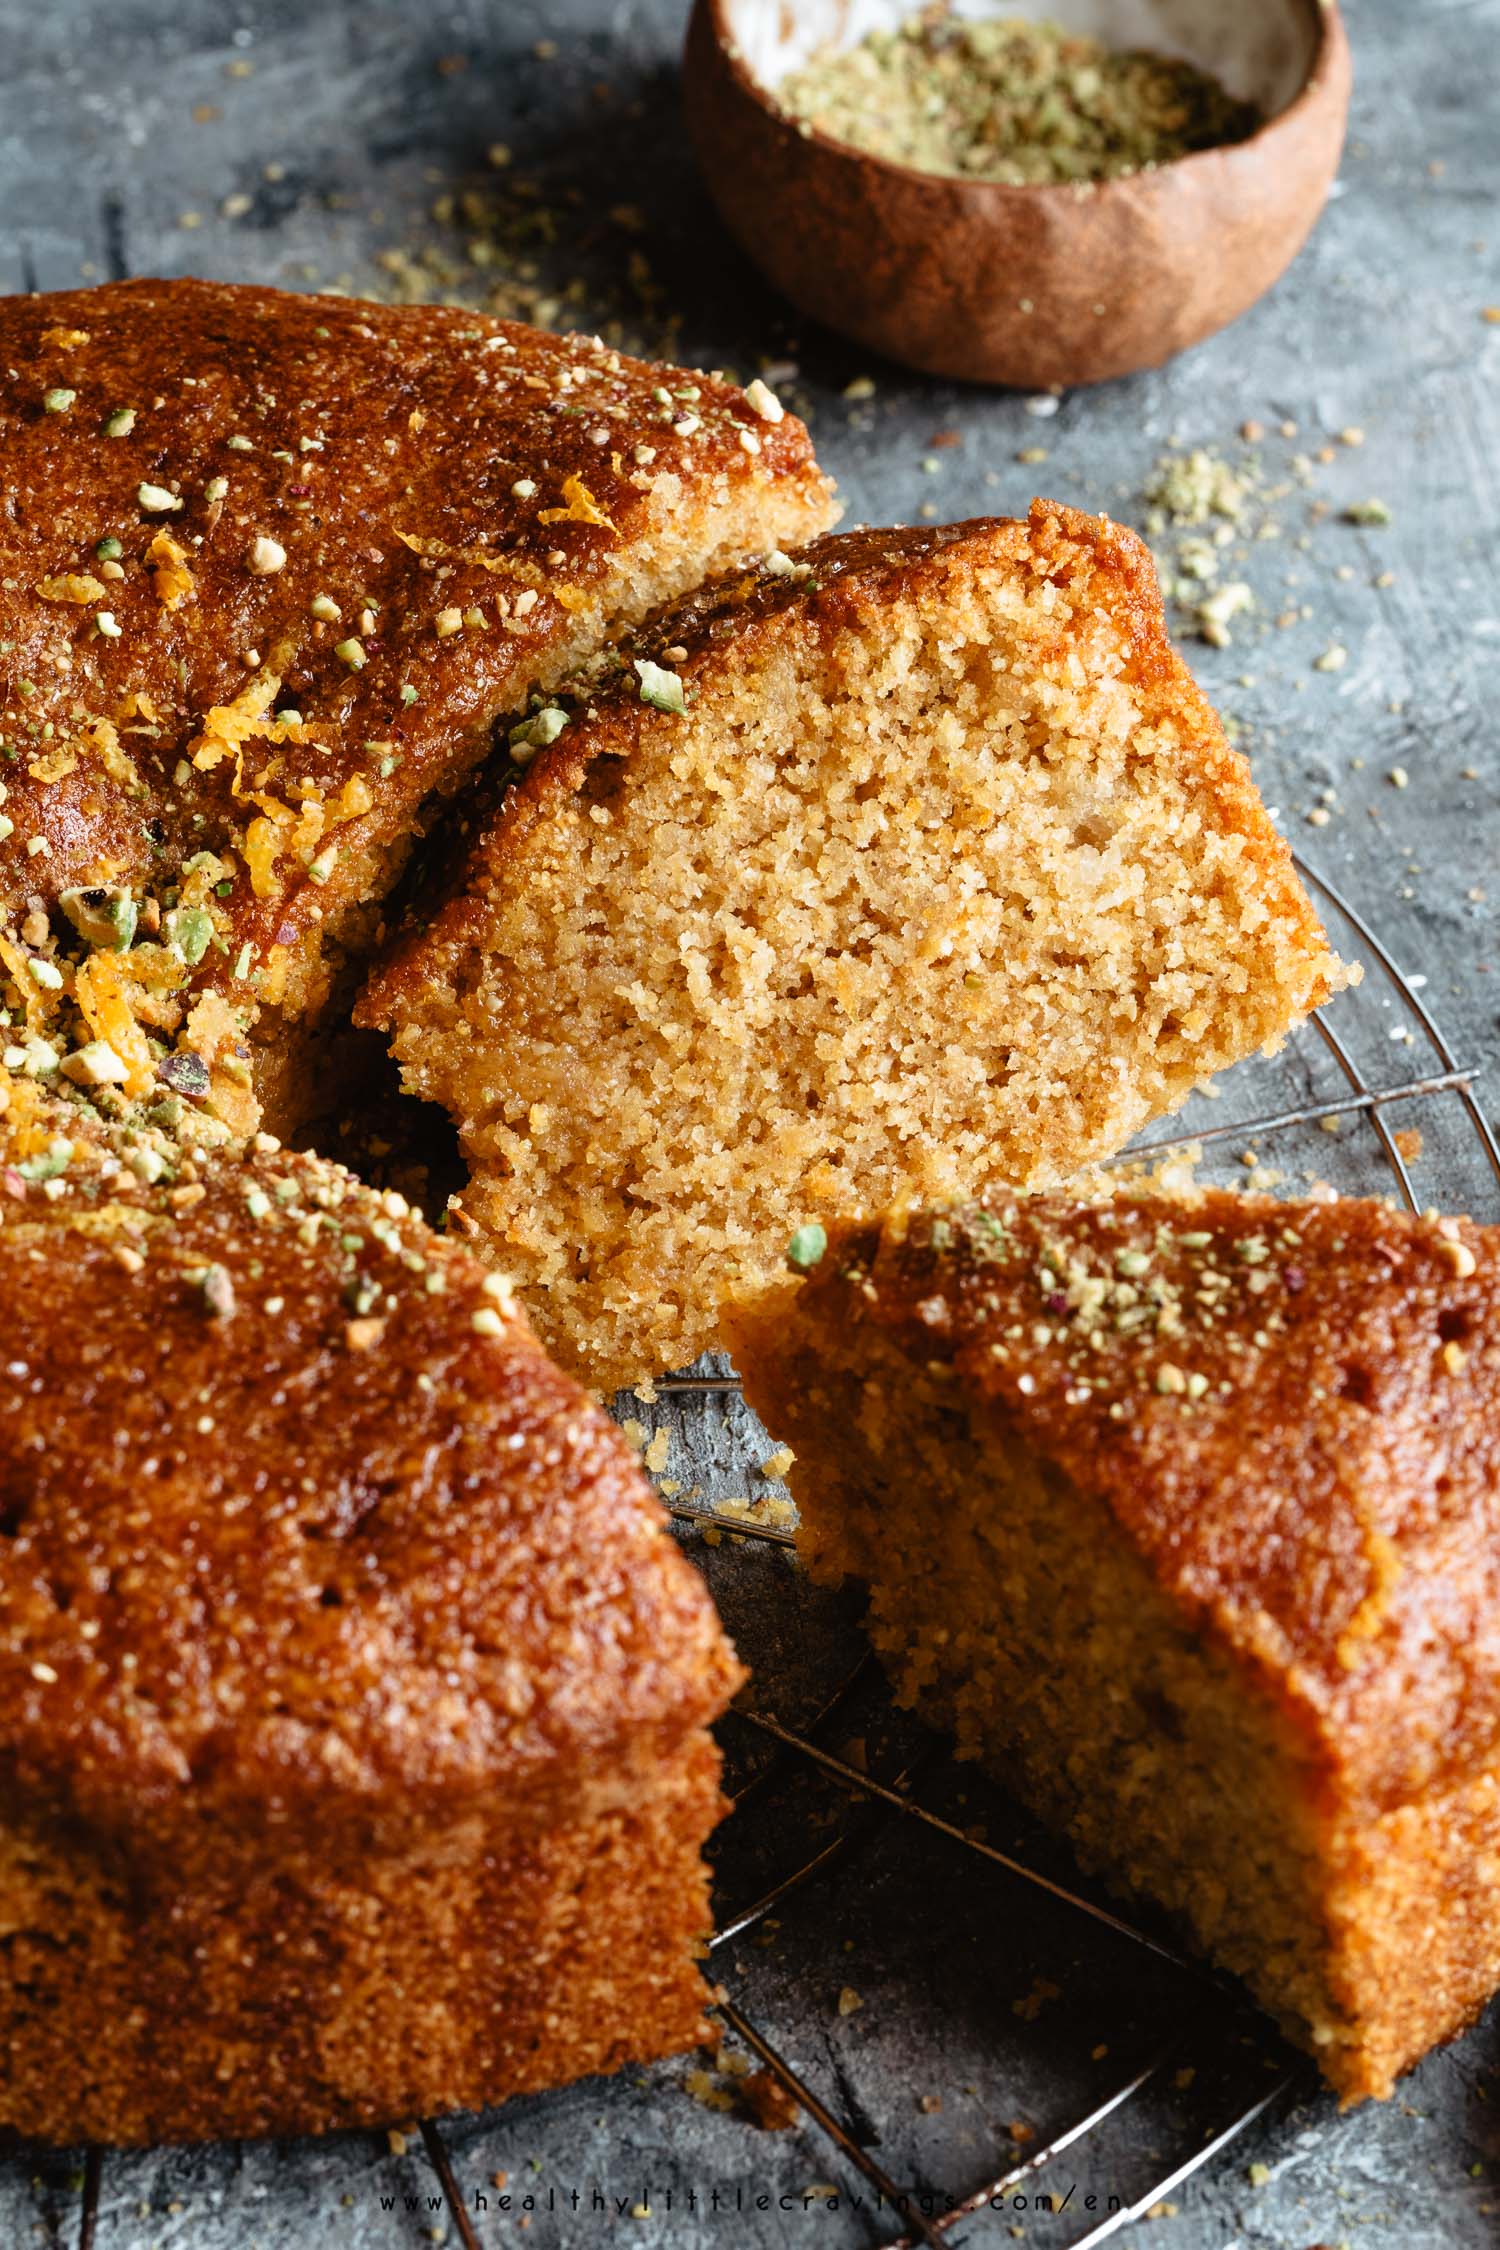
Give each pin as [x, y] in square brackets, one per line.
[1329, 1078]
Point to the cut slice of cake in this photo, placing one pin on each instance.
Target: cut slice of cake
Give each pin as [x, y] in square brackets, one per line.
[272, 566]
[911, 862]
[1184, 1516]
[353, 1694]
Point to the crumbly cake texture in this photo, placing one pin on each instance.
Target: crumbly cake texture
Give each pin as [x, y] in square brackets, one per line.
[272, 566]
[907, 864]
[353, 1694]
[1182, 1515]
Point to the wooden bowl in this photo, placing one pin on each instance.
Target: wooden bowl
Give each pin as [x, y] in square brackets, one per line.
[1032, 286]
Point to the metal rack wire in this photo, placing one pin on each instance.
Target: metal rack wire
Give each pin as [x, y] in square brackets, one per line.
[899, 1798]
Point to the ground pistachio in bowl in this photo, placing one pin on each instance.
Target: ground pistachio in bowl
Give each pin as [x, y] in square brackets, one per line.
[1007, 99]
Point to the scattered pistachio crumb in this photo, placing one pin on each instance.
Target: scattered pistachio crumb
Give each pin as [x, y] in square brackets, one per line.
[264, 556]
[807, 1246]
[535, 733]
[762, 400]
[659, 687]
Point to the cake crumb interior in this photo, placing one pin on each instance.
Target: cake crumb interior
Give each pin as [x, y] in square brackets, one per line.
[952, 895]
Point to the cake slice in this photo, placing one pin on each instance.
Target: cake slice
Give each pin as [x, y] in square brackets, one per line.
[914, 861]
[353, 1694]
[270, 568]
[1183, 1516]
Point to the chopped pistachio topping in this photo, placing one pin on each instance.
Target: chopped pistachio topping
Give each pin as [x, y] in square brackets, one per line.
[659, 687]
[157, 500]
[325, 608]
[109, 550]
[218, 1292]
[264, 556]
[189, 932]
[535, 733]
[762, 400]
[107, 624]
[97, 1064]
[352, 653]
[36, 1057]
[120, 422]
[50, 1163]
[103, 914]
[58, 400]
[807, 1246]
[186, 1073]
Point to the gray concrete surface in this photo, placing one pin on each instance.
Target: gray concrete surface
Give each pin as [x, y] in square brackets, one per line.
[295, 144]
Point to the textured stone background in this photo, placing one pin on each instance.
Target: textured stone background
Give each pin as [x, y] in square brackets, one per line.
[296, 144]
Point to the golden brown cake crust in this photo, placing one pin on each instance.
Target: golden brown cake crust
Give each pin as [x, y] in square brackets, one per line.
[834, 585]
[302, 1532]
[304, 1994]
[389, 522]
[1291, 1410]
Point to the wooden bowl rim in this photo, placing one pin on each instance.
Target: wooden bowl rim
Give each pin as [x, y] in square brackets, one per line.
[1331, 41]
